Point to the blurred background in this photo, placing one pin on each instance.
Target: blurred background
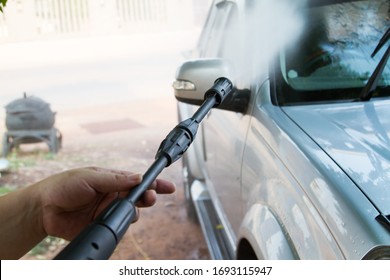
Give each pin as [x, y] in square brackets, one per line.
[105, 68]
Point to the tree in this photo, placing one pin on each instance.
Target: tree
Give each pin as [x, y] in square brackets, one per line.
[2, 4]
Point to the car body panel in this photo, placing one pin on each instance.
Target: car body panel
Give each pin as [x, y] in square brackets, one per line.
[271, 241]
[361, 147]
[224, 135]
[284, 170]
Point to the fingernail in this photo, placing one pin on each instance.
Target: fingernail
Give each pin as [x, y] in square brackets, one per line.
[137, 177]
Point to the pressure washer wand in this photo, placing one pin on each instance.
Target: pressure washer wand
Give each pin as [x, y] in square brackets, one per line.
[100, 238]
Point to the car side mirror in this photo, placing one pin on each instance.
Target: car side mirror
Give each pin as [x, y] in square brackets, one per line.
[194, 78]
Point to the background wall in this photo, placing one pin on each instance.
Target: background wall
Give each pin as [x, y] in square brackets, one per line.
[44, 19]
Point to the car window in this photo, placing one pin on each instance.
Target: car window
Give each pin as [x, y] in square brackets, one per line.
[332, 58]
[215, 29]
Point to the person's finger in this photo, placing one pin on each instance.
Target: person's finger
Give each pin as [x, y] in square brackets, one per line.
[147, 199]
[136, 218]
[109, 170]
[162, 186]
[106, 180]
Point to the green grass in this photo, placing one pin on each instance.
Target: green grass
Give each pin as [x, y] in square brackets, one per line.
[50, 243]
[17, 160]
[5, 189]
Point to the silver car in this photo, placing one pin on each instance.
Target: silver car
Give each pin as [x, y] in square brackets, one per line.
[296, 163]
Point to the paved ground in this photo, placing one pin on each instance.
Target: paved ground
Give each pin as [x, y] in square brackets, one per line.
[114, 106]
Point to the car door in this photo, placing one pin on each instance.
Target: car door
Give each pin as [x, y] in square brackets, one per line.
[223, 131]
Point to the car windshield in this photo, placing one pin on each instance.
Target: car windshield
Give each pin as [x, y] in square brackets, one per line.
[331, 60]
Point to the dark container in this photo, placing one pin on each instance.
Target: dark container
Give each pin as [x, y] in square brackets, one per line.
[29, 113]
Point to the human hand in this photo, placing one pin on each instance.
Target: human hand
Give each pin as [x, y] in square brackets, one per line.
[72, 199]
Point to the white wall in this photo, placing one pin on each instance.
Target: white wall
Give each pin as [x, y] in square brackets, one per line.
[25, 20]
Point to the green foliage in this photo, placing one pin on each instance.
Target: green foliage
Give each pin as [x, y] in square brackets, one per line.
[16, 162]
[5, 189]
[49, 244]
[2, 4]
[30, 159]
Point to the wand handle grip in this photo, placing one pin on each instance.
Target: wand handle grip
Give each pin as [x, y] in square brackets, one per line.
[99, 240]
